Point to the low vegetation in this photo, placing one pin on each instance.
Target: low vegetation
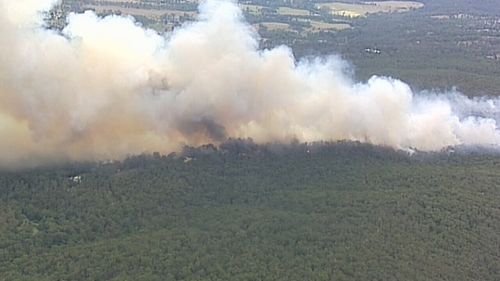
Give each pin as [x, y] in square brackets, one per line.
[362, 9]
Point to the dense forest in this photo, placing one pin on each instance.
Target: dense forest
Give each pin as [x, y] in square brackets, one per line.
[240, 211]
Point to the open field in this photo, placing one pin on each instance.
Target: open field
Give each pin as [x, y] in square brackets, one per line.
[322, 26]
[293, 12]
[363, 9]
[315, 26]
[251, 9]
[150, 13]
[275, 26]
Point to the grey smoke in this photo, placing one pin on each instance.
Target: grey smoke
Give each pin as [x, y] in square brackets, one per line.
[105, 88]
[207, 127]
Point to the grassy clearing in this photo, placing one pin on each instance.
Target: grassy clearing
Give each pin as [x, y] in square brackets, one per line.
[252, 9]
[275, 26]
[150, 13]
[323, 26]
[363, 9]
[293, 12]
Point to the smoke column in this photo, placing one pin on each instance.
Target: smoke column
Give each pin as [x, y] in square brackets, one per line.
[104, 88]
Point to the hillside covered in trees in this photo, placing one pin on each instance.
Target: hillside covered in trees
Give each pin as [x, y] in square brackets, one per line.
[330, 211]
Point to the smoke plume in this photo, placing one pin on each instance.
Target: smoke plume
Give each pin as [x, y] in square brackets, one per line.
[104, 88]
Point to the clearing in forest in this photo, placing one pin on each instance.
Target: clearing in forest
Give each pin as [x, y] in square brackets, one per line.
[150, 13]
[352, 10]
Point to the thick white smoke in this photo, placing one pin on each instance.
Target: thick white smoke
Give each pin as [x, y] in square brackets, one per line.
[106, 88]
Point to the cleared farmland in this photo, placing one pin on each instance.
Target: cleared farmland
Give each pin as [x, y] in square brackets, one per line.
[293, 12]
[273, 26]
[151, 13]
[365, 8]
[252, 9]
[322, 26]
